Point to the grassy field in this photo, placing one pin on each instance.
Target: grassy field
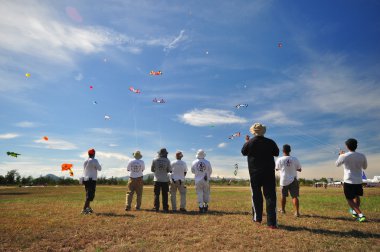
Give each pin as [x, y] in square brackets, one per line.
[48, 219]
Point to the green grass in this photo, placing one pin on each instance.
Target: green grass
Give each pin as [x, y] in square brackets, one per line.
[48, 219]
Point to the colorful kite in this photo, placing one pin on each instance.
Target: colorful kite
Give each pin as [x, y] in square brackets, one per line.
[67, 167]
[107, 117]
[95, 102]
[237, 134]
[155, 72]
[45, 138]
[236, 169]
[158, 100]
[279, 45]
[27, 75]
[91, 87]
[13, 154]
[136, 91]
[241, 106]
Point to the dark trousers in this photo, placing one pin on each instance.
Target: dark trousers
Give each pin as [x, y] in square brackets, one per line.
[268, 183]
[158, 186]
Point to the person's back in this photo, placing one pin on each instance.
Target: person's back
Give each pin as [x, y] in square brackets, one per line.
[161, 168]
[288, 167]
[136, 168]
[91, 168]
[201, 169]
[260, 152]
[354, 163]
[179, 170]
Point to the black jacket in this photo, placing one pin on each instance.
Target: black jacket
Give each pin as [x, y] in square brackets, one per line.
[260, 152]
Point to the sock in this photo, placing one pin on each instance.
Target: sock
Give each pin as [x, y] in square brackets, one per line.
[361, 215]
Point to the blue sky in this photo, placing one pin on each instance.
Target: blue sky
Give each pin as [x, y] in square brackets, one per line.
[320, 88]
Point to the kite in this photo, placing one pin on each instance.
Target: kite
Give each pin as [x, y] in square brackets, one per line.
[155, 72]
[158, 100]
[107, 117]
[13, 154]
[136, 91]
[237, 134]
[236, 169]
[67, 167]
[241, 106]
[95, 102]
[45, 138]
[27, 75]
[91, 87]
[279, 45]
[73, 14]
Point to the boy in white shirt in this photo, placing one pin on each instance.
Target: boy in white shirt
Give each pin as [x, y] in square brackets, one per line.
[179, 170]
[202, 170]
[135, 167]
[288, 167]
[353, 163]
[90, 174]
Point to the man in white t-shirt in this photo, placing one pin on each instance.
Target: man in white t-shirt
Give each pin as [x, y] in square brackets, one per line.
[202, 170]
[135, 167]
[288, 167]
[354, 163]
[179, 170]
[90, 174]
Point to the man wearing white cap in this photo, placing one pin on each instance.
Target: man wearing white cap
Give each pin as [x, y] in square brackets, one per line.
[179, 170]
[260, 152]
[135, 167]
[202, 170]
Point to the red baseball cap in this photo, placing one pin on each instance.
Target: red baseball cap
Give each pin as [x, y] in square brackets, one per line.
[91, 152]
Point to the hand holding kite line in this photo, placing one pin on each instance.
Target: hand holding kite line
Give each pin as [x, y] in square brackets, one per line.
[66, 167]
[155, 72]
[12, 154]
[246, 138]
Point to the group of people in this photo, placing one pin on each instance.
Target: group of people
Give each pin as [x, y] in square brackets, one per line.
[260, 151]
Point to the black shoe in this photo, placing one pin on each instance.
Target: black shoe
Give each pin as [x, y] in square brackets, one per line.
[166, 211]
[155, 209]
[183, 210]
[205, 209]
[201, 210]
[127, 208]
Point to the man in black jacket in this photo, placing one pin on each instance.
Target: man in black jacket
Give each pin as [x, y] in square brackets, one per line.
[260, 152]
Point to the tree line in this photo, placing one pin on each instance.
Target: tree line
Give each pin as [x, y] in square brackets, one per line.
[13, 178]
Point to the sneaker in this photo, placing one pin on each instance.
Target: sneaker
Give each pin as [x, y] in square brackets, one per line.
[84, 211]
[362, 219]
[201, 210]
[297, 215]
[272, 227]
[137, 208]
[155, 209]
[205, 209]
[127, 208]
[183, 210]
[89, 210]
[281, 211]
[166, 211]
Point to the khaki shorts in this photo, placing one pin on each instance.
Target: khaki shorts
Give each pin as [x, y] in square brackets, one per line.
[293, 188]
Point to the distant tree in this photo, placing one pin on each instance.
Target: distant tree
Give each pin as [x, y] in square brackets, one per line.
[149, 180]
[10, 178]
[2, 180]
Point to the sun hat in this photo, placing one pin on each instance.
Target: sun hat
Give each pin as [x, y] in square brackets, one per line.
[200, 154]
[137, 154]
[258, 129]
[162, 152]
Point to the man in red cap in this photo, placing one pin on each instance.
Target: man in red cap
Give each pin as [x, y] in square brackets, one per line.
[90, 174]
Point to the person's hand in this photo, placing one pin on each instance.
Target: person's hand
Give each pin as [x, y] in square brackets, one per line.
[341, 152]
[246, 138]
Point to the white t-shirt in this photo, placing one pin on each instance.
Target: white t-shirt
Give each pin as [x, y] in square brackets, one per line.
[135, 168]
[353, 163]
[288, 166]
[91, 167]
[201, 167]
[179, 168]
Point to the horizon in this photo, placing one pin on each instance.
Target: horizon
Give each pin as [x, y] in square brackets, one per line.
[76, 75]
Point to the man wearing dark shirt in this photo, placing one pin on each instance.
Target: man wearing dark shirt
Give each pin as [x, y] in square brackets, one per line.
[260, 152]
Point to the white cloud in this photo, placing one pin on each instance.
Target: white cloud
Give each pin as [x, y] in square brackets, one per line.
[113, 145]
[108, 155]
[8, 136]
[209, 136]
[26, 124]
[173, 44]
[57, 144]
[107, 131]
[210, 117]
[222, 145]
[278, 118]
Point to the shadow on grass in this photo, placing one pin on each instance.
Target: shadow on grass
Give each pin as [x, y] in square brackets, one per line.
[210, 212]
[335, 218]
[115, 215]
[14, 193]
[346, 234]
